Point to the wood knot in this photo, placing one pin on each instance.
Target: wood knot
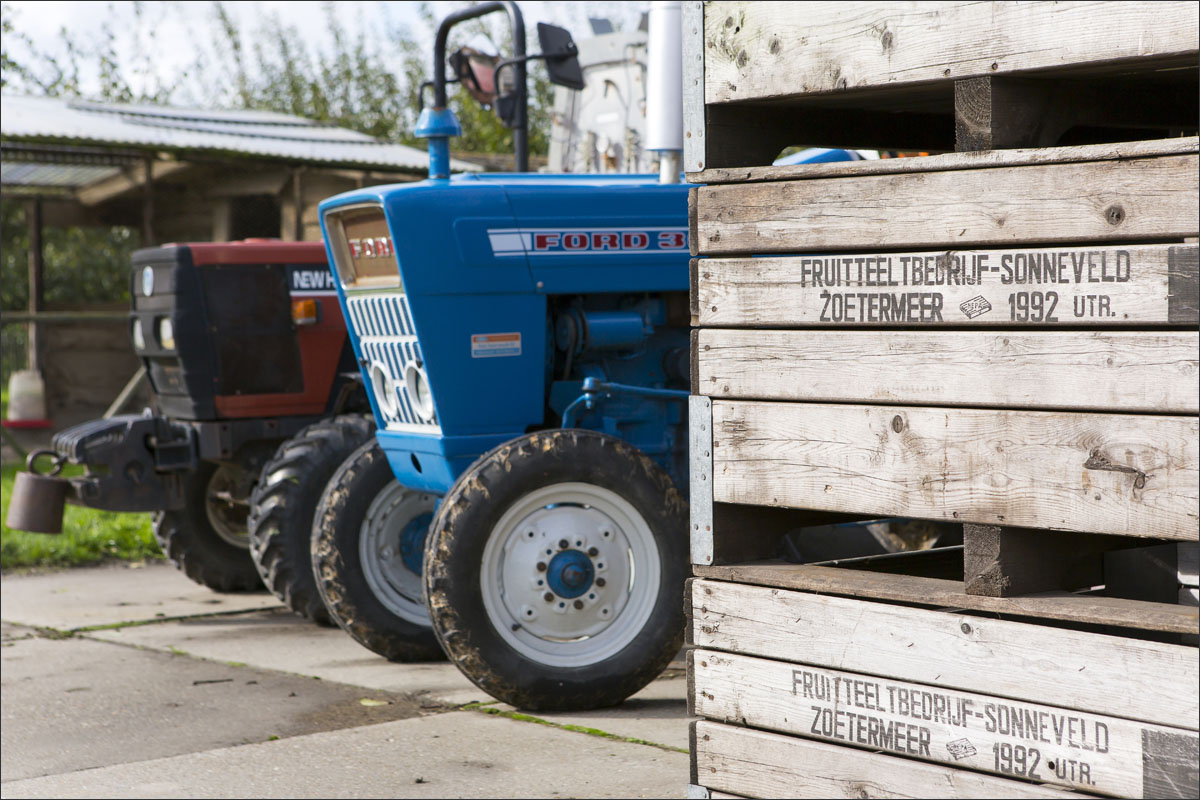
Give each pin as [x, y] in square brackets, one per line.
[897, 423]
[1115, 215]
[774, 46]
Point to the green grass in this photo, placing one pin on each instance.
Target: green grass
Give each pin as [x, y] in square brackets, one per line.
[4, 402]
[89, 536]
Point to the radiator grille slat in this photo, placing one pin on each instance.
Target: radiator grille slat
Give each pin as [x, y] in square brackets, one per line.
[387, 337]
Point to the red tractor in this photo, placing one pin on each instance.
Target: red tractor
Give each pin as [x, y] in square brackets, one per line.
[258, 400]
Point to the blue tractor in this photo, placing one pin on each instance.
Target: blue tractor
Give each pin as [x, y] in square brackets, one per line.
[524, 341]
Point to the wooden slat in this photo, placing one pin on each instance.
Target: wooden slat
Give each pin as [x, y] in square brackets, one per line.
[1008, 562]
[759, 50]
[966, 730]
[1156, 285]
[1150, 198]
[1096, 473]
[757, 764]
[1111, 675]
[1101, 371]
[1080, 609]
[982, 159]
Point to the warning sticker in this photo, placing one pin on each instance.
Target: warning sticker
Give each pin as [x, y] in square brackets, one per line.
[494, 345]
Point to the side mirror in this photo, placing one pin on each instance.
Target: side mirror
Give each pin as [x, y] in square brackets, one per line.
[476, 71]
[562, 56]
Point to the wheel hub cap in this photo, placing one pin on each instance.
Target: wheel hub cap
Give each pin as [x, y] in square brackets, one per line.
[570, 574]
[412, 541]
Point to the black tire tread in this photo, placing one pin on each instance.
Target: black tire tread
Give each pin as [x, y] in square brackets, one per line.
[333, 576]
[189, 542]
[284, 502]
[454, 632]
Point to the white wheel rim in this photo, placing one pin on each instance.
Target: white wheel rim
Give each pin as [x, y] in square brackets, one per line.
[226, 513]
[570, 631]
[396, 586]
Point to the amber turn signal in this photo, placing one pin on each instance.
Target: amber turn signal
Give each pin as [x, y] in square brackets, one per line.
[305, 312]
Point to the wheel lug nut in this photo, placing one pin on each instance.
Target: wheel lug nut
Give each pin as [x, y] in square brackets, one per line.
[541, 567]
[593, 551]
[548, 596]
[579, 604]
[600, 581]
[563, 544]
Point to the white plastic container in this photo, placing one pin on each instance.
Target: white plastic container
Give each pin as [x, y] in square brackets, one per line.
[26, 395]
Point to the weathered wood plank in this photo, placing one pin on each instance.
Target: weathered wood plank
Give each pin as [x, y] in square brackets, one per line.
[1145, 681]
[1110, 286]
[767, 765]
[1101, 371]
[1012, 111]
[951, 161]
[778, 49]
[936, 592]
[1150, 198]
[967, 730]
[1096, 473]
[1006, 562]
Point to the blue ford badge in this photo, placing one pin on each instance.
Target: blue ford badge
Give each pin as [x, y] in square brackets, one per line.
[148, 281]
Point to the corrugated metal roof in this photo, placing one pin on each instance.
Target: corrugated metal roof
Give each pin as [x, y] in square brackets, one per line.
[252, 133]
[57, 175]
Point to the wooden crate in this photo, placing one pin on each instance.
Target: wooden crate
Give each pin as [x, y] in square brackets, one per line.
[822, 682]
[760, 76]
[1004, 338]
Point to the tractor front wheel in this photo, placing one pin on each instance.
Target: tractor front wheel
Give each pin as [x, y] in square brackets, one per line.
[368, 540]
[284, 503]
[554, 571]
[207, 538]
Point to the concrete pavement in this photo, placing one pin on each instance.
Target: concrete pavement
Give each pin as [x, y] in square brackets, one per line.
[138, 683]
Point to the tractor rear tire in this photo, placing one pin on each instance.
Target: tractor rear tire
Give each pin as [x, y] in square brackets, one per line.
[555, 569]
[190, 540]
[367, 531]
[284, 503]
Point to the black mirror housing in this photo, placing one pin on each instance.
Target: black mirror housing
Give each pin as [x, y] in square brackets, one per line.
[561, 55]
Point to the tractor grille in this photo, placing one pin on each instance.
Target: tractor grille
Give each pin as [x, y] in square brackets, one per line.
[387, 338]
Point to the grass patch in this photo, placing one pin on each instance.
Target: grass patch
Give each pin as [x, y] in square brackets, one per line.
[89, 536]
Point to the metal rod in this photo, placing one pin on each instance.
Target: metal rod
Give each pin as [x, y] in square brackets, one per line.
[33, 214]
[52, 317]
[517, 23]
[123, 398]
[148, 204]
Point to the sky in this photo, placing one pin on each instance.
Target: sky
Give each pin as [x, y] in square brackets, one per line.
[177, 21]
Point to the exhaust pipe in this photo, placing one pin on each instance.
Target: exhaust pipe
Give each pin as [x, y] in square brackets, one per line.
[664, 88]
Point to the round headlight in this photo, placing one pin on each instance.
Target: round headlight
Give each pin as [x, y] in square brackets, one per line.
[166, 333]
[148, 281]
[138, 335]
[384, 388]
[418, 391]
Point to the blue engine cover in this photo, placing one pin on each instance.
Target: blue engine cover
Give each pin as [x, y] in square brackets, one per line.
[482, 260]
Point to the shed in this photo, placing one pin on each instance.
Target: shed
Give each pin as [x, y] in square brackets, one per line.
[175, 174]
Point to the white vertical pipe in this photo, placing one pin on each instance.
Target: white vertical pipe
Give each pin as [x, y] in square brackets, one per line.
[664, 87]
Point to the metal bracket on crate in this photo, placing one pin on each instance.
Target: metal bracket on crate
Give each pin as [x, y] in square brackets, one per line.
[695, 792]
[692, 15]
[700, 462]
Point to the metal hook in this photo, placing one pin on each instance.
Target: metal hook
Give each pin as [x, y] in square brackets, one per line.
[58, 462]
